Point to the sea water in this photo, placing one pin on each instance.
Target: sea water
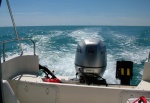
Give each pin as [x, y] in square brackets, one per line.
[56, 46]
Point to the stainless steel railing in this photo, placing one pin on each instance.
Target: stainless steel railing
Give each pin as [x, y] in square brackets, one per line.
[12, 40]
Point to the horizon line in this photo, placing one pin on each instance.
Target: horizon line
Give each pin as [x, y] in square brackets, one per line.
[75, 25]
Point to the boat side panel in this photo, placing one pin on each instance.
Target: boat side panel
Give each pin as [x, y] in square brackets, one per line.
[8, 93]
[19, 65]
[126, 95]
[89, 94]
[144, 85]
[41, 92]
[73, 94]
[146, 72]
[37, 93]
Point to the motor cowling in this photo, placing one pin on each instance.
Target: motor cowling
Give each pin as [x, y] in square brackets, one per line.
[91, 58]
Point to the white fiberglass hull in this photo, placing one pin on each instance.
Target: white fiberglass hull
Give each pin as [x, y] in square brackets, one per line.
[30, 88]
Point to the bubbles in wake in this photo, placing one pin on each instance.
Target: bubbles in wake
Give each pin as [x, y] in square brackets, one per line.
[126, 47]
[56, 47]
[86, 33]
[124, 40]
[111, 70]
[62, 60]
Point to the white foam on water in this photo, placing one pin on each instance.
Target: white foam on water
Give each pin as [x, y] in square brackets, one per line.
[137, 56]
[62, 62]
[130, 51]
[123, 40]
[85, 34]
[110, 72]
[27, 50]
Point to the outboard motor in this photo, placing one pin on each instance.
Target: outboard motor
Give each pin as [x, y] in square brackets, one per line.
[90, 59]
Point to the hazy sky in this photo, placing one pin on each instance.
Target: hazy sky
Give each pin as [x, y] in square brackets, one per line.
[77, 12]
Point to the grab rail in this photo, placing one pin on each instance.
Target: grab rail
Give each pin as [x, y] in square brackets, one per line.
[12, 40]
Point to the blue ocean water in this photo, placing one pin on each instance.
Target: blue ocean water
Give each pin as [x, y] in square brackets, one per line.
[56, 46]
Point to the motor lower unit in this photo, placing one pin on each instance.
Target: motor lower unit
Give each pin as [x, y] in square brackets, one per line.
[90, 59]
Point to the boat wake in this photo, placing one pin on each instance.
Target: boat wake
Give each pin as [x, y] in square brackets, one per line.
[56, 48]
